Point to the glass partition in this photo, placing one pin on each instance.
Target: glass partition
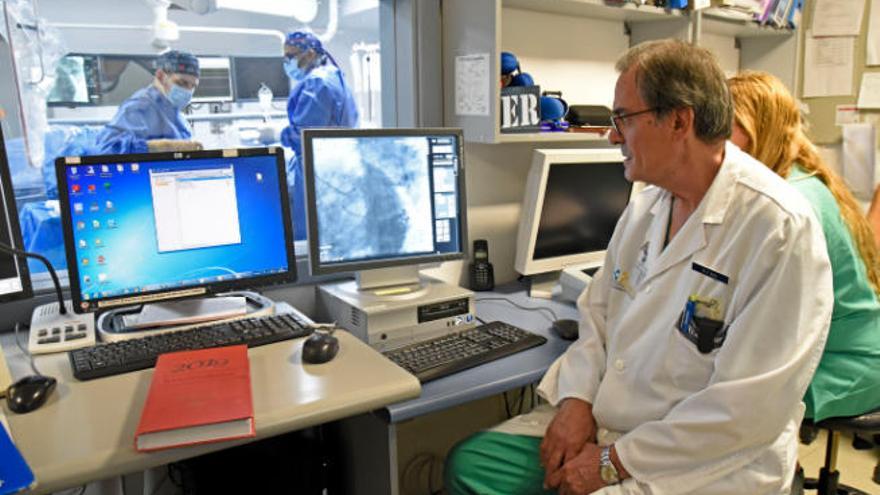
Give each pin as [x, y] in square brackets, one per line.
[107, 52]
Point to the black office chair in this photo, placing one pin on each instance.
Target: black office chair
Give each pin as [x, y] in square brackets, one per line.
[867, 424]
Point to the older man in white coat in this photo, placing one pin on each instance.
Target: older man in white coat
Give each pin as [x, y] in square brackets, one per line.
[702, 330]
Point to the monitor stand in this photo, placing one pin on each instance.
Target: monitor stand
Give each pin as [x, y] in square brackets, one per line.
[389, 281]
[541, 285]
[112, 326]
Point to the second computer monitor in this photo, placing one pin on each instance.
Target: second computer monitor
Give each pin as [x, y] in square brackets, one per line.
[383, 198]
[573, 200]
[15, 282]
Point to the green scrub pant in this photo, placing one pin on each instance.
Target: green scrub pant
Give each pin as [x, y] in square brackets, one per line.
[489, 463]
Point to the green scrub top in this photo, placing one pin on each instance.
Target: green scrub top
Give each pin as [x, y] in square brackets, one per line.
[847, 381]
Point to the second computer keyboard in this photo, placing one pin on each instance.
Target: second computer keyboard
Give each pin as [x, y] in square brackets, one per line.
[136, 354]
[442, 356]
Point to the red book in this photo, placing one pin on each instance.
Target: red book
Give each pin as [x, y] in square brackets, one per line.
[197, 397]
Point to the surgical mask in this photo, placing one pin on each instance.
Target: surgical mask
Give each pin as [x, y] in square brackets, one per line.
[179, 97]
[294, 72]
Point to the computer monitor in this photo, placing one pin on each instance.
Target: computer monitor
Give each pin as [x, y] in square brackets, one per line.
[572, 202]
[382, 201]
[15, 280]
[76, 82]
[215, 80]
[154, 227]
[251, 72]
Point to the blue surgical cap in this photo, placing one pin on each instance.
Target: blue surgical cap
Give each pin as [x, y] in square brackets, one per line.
[304, 40]
[176, 62]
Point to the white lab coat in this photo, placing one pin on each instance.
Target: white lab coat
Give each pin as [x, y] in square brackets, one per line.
[685, 422]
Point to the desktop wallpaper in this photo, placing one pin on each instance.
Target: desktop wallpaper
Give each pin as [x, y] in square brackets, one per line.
[114, 222]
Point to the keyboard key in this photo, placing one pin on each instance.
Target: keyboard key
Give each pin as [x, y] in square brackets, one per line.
[443, 356]
[137, 354]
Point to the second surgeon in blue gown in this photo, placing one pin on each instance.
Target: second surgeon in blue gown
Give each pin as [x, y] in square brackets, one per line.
[319, 98]
[151, 120]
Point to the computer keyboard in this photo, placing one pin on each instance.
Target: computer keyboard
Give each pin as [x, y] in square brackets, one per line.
[136, 354]
[442, 356]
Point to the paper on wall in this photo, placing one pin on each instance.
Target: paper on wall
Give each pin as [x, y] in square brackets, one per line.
[869, 91]
[838, 17]
[472, 84]
[828, 66]
[846, 114]
[873, 54]
[859, 158]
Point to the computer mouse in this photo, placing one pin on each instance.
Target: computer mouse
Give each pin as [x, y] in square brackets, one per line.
[319, 348]
[29, 393]
[565, 328]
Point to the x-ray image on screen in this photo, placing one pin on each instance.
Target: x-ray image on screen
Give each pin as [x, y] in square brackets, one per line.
[373, 197]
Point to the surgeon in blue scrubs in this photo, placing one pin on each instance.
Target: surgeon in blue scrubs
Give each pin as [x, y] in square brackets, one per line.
[319, 97]
[151, 120]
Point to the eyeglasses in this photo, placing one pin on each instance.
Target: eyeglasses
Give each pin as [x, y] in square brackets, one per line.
[617, 120]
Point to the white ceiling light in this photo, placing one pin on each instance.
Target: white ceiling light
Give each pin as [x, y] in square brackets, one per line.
[304, 11]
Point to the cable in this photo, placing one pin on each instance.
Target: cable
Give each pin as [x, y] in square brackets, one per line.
[435, 461]
[414, 470]
[25, 351]
[18, 252]
[522, 399]
[525, 308]
[482, 321]
[506, 405]
[159, 485]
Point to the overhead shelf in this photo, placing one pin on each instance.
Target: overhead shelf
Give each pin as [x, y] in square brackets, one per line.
[475, 28]
[596, 9]
[719, 24]
[545, 137]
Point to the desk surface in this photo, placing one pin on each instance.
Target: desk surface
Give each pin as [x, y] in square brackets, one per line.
[495, 377]
[86, 430]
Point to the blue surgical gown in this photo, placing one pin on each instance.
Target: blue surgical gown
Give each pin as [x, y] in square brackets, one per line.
[146, 115]
[322, 99]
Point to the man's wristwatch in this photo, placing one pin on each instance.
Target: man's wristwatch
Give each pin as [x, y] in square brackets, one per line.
[607, 471]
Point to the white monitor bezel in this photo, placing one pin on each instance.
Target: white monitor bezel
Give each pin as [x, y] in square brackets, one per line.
[533, 201]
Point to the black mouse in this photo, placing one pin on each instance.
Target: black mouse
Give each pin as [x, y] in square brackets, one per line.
[29, 393]
[319, 348]
[565, 328]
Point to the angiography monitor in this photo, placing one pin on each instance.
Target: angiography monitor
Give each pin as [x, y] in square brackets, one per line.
[384, 199]
[250, 73]
[15, 281]
[572, 202]
[381, 202]
[154, 227]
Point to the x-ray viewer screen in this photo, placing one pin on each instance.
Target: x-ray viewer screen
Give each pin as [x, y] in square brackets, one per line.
[386, 197]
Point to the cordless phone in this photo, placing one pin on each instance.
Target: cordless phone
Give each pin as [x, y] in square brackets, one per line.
[482, 275]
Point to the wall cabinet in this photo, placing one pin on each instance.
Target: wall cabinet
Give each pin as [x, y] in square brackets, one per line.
[571, 46]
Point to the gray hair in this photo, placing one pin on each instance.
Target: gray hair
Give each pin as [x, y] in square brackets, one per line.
[673, 74]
